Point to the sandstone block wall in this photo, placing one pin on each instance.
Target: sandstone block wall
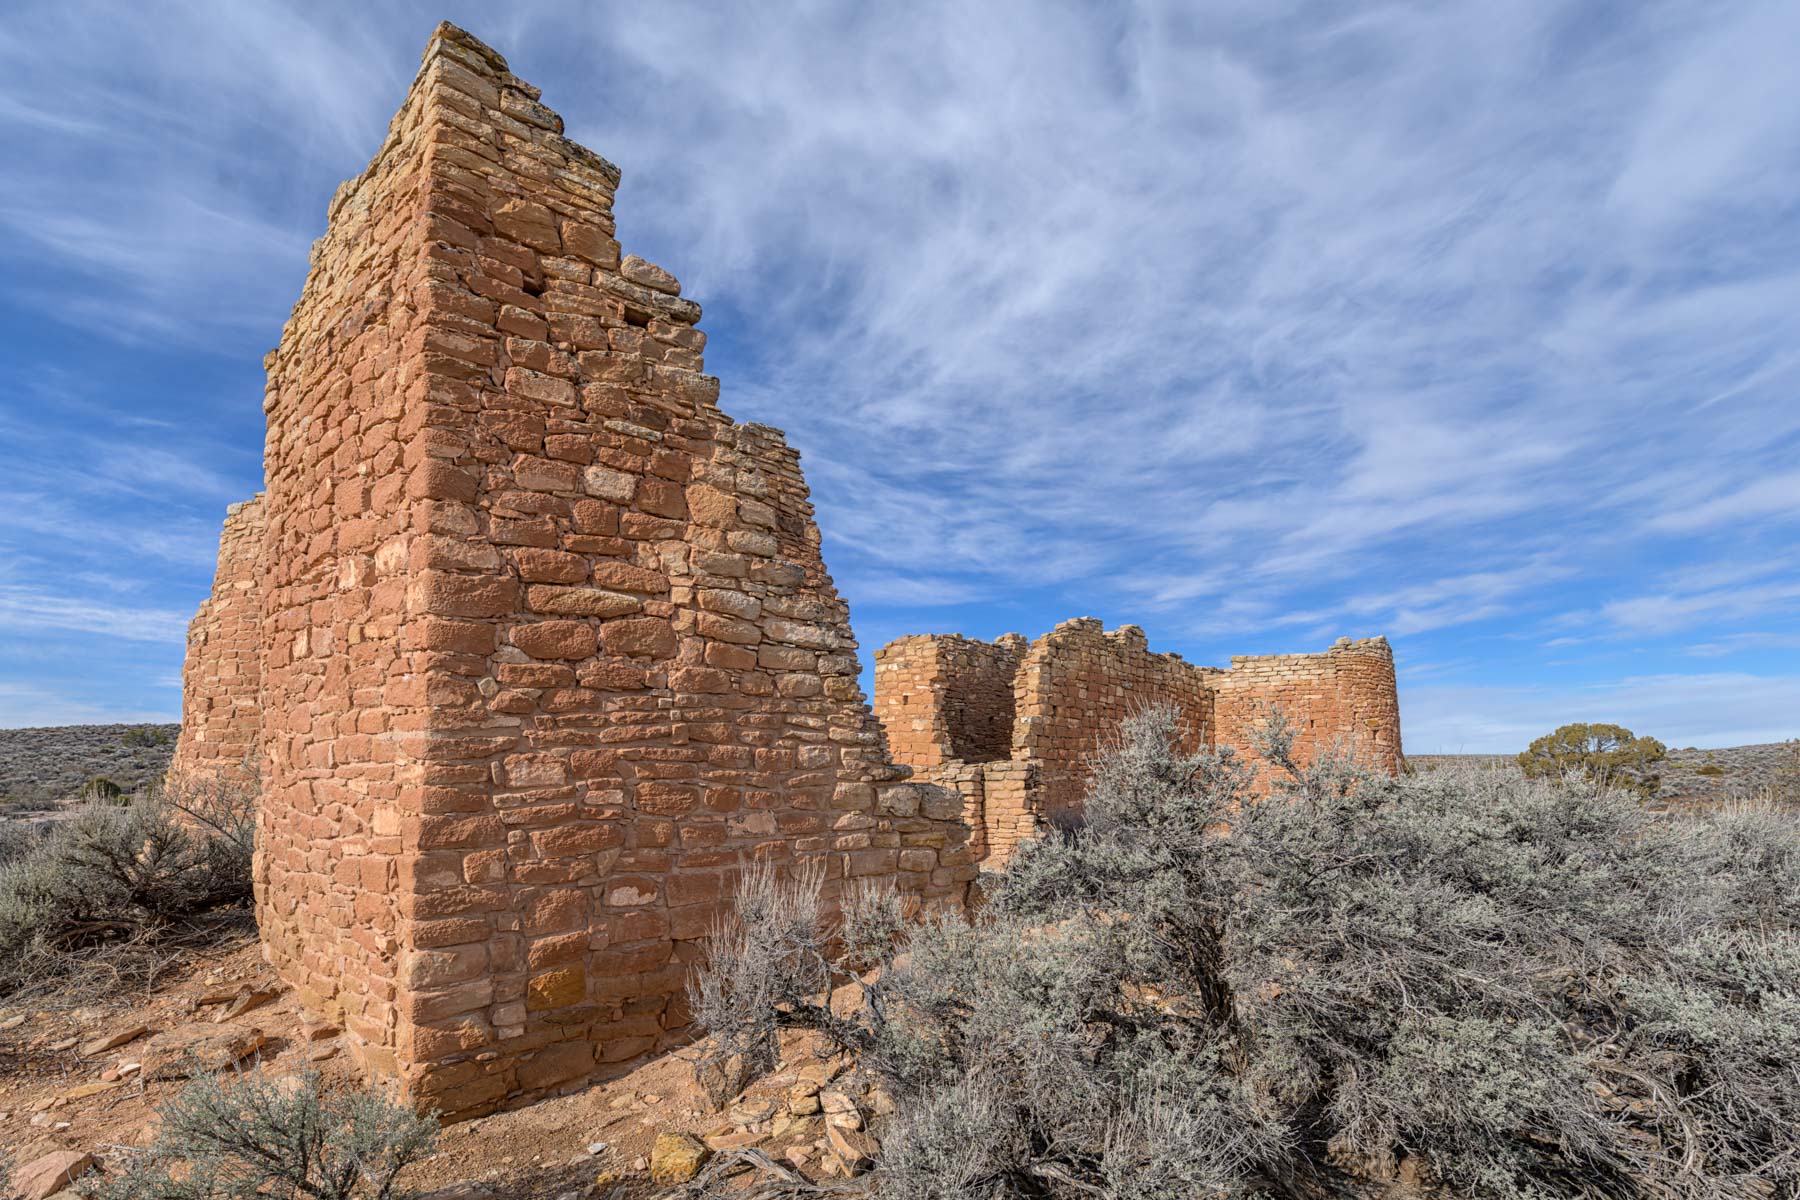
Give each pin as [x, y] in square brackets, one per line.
[548, 648]
[1077, 685]
[221, 677]
[1074, 686]
[947, 698]
[1000, 804]
[1346, 695]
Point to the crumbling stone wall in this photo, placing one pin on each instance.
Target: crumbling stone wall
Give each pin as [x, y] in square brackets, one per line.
[1074, 686]
[548, 646]
[221, 677]
[947, 698]
[1077, 685]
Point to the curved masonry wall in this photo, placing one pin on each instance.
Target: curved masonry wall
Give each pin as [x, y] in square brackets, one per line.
[221, 677]
[548, 649]
[1074, 686]
[1346, 695]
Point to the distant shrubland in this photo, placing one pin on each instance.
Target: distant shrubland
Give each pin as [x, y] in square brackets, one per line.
[40, 768]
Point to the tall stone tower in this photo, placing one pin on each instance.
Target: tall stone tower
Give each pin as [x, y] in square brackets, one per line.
[547, 646]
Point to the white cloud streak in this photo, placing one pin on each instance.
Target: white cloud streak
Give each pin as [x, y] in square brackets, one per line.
[1255, 316]
[25, 609]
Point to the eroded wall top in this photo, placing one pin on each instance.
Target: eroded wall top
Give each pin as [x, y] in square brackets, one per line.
[1078, 684]
[221, 677]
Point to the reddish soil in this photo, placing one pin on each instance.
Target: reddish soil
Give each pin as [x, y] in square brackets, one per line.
[53, 1097]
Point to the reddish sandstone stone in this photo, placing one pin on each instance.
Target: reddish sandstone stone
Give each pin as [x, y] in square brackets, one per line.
[556, 989]
[581, 602]
[662, 498]
[699, 679]
[595, 516]
[647, 637]
[588, 243]
[549, 566]
[437, 480]
[628, 578]
[711, 507]
[556, 639]
[445, 594]
[530, 223]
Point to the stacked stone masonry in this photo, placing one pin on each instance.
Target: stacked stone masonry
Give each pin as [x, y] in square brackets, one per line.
[547, 647]
[1071, 690]
[949, 698]
[221, 678]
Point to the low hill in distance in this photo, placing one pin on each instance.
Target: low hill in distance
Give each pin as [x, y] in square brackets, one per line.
[1688, 774]
[42, 768]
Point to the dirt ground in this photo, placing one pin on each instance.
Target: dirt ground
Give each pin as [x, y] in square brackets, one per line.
[60, 1091]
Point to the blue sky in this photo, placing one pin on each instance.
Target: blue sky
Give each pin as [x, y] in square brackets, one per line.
[1476, 325]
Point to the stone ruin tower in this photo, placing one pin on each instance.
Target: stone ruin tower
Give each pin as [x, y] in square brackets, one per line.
[1014, 727]
[535, 646]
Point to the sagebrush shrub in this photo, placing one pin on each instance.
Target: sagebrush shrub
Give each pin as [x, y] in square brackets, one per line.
[775, 962]
[122, 873]
[1214, 989]
[244, 1137]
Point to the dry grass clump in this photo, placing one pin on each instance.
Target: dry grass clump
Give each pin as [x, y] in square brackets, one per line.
[122, 885]
[1512, 989]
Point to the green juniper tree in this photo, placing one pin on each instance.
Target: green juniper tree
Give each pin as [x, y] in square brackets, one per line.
[1611, 756]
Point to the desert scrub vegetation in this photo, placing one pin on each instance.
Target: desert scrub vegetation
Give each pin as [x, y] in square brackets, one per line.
[41, 769]
[1608, 756]
[123, 884]
[239, 1137]
[1470, 980]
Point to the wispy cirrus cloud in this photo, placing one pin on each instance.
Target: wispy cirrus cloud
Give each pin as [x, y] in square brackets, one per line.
[32, 707]
[1684, 610]
[1756, 500]
[1468, 323]
[26, 609]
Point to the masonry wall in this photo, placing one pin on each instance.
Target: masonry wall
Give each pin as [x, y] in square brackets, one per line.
[1077, 685]
[1000, 805]
[1346, 696]
[221, 677]
[549, 646]
[945, 698]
